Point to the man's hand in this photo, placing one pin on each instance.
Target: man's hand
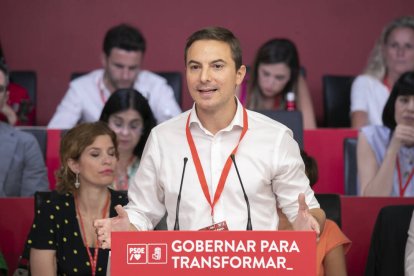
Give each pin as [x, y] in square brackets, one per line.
[304, 220]
[104, 227]
[10, 114]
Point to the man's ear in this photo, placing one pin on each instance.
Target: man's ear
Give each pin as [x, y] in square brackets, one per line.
[73, 166]
[241, 72]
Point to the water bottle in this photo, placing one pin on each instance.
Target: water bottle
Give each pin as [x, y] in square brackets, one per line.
[290, 101]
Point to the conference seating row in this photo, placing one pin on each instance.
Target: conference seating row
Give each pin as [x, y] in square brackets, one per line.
[333, 149]
[358, 219]
[336, 93]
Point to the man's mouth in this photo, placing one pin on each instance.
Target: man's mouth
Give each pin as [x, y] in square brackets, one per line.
[207, 90]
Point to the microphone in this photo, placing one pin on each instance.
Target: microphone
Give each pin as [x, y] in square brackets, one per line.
[177, 210]
[249, 220]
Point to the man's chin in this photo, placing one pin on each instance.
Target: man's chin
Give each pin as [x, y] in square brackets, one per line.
[124, 86]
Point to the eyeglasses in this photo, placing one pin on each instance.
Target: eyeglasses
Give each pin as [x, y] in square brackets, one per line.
[135, 128]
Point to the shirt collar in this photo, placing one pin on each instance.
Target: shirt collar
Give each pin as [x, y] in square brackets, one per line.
[236, 122]
[101, 84]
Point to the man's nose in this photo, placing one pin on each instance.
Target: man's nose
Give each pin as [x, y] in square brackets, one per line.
[205, 75]
[125, 73]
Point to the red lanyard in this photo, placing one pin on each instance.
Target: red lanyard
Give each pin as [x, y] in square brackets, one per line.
[410, 176]
[385, 82]
[226, 168]
[93, 261]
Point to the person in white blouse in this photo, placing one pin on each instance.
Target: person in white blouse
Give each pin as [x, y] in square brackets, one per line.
[214, 130]
[123, 52]
[392, 55]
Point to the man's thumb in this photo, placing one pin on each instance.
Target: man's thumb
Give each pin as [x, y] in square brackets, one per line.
[302, 202]
[121, 211]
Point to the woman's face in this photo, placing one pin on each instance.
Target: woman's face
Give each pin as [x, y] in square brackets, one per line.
[404, 110]
[272, 78]
[97, 162]
[399, 51]
[128, 127]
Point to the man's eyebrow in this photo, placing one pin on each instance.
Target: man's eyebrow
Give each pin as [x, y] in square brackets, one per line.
[193, 61]
[218, 60]
[211, 62]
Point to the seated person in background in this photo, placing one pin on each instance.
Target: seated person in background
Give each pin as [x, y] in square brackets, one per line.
[22, 169]
[275, 72]
[123, 52]
[333, 244]
[392, 55]
[18, 109]
[128, 114]
[385, 154]
[62, 240]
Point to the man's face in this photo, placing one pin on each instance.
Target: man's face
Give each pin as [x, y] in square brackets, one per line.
[121, 68]
[211, 75]
[4, 94]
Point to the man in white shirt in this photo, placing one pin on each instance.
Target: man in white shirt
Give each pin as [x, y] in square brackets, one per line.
[218, 126]
[123, 53]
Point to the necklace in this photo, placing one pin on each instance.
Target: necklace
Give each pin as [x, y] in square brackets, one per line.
[92, 260]
[121, 181]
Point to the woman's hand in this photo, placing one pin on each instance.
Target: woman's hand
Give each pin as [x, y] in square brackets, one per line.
[403, 136]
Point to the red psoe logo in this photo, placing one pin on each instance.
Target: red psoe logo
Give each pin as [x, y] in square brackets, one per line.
[157, 253]
[137, 254]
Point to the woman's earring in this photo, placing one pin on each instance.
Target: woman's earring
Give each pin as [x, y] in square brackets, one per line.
[77, 183]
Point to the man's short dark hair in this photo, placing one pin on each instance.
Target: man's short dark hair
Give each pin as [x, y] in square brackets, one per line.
[5, 70]
[124, 37]
[219, 34]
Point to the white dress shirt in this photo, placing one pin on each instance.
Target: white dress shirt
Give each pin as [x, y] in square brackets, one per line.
[268, 160]
[83, 101]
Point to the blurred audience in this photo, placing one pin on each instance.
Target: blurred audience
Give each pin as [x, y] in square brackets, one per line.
[333, 244]
[22, 168]
[123, 53]
[392, 55]
[385, 154]
[276, 72]
[18, 110]
[62, 239]
[128, 114]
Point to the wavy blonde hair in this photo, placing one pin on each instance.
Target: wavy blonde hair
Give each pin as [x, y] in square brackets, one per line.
[376, 65]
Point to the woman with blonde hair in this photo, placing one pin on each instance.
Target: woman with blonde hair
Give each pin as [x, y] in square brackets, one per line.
[392, 56]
